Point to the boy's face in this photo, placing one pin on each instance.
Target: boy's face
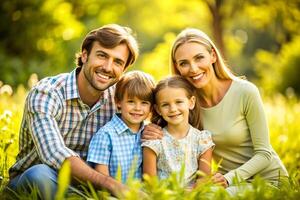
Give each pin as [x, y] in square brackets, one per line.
[133, 111]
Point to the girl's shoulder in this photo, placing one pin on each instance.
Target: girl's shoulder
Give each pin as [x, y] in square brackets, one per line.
[196, 133]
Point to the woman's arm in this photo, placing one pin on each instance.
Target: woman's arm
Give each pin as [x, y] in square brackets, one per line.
[149, 162]
[258, 129]
[152, 132]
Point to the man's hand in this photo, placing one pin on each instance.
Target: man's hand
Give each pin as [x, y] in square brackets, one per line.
[219, 179]
[152, 132]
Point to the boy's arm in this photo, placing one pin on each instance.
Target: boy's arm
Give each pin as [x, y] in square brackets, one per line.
[149, 162]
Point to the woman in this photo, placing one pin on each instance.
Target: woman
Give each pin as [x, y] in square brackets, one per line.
[231, 108]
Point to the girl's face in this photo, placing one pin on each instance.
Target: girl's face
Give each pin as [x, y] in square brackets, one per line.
[174, 105]
[195, 63]
[134, 111]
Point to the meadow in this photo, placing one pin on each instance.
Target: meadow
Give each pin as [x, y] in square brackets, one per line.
[283, 117]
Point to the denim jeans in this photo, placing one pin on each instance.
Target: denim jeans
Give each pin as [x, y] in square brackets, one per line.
[41, 176]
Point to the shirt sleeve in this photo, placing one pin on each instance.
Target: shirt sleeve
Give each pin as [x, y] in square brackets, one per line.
[43, 106]
[100, 148]
[205, 142]
[154, 145]
[258, 128]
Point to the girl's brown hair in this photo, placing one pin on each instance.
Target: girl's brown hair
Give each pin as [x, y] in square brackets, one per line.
[177, 81]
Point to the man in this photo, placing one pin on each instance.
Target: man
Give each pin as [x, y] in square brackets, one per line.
[63, 112]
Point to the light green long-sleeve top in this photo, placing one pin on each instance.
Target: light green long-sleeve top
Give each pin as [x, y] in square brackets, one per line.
[240, 131]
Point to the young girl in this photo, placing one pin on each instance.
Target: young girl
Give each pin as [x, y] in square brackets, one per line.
[181, 143]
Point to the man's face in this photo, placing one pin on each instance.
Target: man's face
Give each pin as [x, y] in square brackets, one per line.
[103, 67]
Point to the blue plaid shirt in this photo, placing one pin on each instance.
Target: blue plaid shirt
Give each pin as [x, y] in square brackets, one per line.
[115, 145]
[56, 123]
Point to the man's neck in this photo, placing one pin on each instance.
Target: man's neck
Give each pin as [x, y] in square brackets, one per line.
[87, 93]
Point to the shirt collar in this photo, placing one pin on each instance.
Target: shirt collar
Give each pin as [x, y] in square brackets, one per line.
[72, 91]
[121, 126]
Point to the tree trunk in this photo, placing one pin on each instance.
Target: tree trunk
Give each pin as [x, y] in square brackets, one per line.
[215, 7]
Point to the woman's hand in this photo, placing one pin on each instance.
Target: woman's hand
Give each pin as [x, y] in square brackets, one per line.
[152, 132]
[219, 179]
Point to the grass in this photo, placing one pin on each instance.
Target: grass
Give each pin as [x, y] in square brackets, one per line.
[283, 116]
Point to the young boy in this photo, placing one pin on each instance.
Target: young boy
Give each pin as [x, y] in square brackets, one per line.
[118, 143]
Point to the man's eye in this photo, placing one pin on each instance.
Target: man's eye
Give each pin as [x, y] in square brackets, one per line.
[101, 55]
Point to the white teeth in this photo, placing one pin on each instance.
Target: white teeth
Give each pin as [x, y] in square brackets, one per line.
[198, 77]
[102, 76]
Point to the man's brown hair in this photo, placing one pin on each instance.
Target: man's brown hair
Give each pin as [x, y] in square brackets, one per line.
[110, 36]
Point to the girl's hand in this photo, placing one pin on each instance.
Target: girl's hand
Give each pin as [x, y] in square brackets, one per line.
[219, 179]
[152, 132]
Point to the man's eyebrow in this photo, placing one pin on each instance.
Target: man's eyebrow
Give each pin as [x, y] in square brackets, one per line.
[101, 51]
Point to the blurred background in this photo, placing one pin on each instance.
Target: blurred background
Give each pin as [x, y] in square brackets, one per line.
[259, 38]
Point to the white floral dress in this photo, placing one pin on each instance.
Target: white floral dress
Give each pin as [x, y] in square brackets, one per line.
[173, 153]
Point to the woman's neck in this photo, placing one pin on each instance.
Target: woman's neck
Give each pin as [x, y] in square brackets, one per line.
[178, 131]
[213, 93]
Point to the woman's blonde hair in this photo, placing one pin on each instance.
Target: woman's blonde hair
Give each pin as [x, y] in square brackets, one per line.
[197, 36]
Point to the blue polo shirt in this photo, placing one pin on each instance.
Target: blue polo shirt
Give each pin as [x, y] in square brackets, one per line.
[115, 145]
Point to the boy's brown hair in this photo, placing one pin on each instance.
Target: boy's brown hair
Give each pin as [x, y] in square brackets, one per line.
[135, 84]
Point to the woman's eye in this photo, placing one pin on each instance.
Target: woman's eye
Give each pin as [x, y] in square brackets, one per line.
[183, 64]
[199, 57]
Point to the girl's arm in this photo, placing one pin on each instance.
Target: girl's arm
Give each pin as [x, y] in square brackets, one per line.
[204, 161]
[204, 165]
[102, 169]
[149, 162]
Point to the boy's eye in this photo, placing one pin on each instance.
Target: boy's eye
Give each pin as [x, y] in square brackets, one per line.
[146, 103]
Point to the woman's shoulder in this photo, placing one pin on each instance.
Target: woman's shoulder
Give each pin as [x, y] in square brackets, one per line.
[245, 87]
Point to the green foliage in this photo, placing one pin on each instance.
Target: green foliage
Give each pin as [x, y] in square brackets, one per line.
[280, 71]
[63, 180]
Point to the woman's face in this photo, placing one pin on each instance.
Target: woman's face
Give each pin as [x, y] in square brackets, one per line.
[195, 63]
